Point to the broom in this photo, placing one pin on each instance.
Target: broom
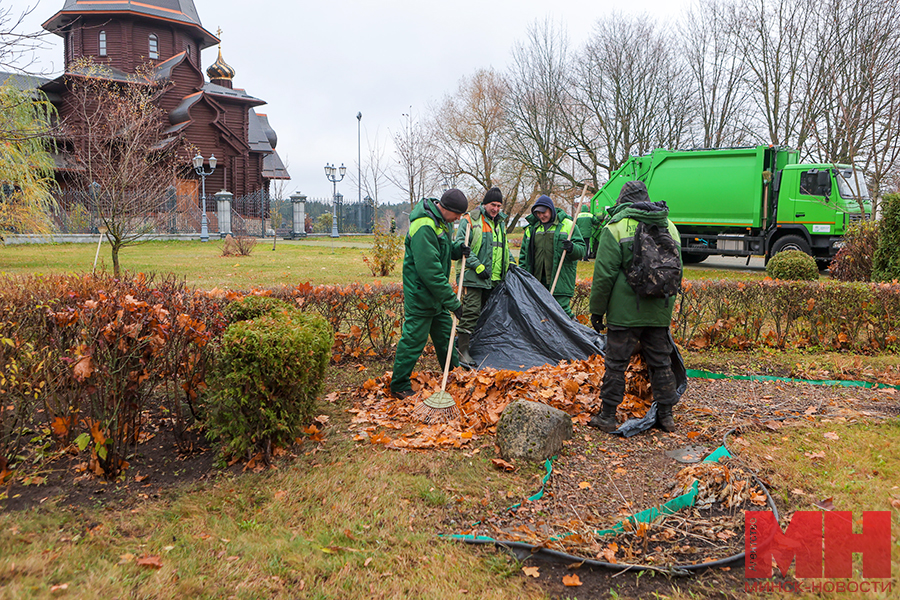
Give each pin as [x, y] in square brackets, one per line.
[563, 257]
[440, 407]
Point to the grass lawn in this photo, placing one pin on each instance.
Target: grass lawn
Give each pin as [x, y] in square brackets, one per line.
[342, 519]
[318, 260]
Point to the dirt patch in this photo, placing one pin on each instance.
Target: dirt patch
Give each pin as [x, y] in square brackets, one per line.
[157, 467]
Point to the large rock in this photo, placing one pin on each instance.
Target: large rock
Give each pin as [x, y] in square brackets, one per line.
[532, 431]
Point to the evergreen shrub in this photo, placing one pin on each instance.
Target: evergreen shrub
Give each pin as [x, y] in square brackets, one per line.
[270, 372]
[793, 265]
[252, 307]
[886, 265]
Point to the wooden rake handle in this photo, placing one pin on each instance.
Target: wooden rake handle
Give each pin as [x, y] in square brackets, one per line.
[562, 258]
[462, 274]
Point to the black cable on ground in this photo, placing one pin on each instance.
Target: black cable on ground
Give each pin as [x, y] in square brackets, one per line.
[526, 549]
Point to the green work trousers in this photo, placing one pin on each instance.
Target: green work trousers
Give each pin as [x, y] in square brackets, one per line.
[473, 302]
[413, 337]
[564, 302]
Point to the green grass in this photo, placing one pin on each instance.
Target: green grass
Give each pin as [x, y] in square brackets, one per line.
[202, 264]
[318, 260]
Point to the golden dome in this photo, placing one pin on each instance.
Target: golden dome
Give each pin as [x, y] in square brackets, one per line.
[220, 69]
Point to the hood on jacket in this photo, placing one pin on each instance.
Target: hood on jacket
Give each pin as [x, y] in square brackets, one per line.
[546, 202]
[649, 212]
[633, 191]
[427, 207]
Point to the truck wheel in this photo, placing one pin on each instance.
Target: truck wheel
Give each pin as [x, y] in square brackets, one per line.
[790, 242]
[692, 258]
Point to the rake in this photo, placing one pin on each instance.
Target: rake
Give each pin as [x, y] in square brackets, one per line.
[440, 407]
[562, 257]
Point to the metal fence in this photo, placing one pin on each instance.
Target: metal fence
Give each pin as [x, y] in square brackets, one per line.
[254, 215]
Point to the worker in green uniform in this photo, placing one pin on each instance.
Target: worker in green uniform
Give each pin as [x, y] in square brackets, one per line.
[428, 297]
[589, 226]
[546, 236]
[486, 267]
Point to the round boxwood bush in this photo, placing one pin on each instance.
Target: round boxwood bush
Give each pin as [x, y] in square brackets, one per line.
[793, 265]
[270, 371]
[251, 307]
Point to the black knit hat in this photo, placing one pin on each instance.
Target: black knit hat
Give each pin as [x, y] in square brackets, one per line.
[454, 200]
[493, 195]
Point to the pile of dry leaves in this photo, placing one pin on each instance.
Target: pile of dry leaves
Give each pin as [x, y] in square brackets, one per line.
[573, 387]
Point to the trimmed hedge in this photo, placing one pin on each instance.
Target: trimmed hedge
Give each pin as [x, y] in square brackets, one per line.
[270, 372]
[793, 265]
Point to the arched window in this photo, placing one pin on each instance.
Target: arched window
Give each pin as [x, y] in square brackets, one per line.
[154, 46]
[102, 43]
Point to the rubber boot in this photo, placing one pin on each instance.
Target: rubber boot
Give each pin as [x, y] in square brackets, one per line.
[462, 346]
[664, 417]
[605, 420]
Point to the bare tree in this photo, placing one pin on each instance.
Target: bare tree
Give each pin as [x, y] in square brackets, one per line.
[124, 160]
[374, 172]
[631, 94]
[468, 129]
[17, 47]
[534, 104]
[717, 74]
[776, 40]
[413, 172]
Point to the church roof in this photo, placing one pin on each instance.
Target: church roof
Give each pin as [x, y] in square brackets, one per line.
[179, 11]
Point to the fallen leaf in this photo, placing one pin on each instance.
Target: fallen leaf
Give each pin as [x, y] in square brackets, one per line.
[814, 455]
[571, 580]
[584, 485]
[895, 503]
[124, 559]
[151, 562]
[532, 571]
[59, 588]
[692, 434]
[810, 410]
[798, 492]
[831, 435]
[280, 494]
[367, 562]
[140, 478]
[826, 504]
[502, 464]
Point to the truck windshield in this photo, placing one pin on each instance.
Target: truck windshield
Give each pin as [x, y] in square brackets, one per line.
[851, 184]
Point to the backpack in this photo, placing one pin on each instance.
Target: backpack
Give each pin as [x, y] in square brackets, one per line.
[655, 270]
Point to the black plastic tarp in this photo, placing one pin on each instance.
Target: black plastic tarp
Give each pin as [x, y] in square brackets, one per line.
[522, 326]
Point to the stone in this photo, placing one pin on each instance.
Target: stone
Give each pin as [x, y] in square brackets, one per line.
[532, 431]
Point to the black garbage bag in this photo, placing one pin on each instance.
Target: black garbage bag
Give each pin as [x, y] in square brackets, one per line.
[523, 326]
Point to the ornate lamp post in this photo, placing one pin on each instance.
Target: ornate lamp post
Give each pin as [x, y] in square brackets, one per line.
[198, 168]
[333, 178]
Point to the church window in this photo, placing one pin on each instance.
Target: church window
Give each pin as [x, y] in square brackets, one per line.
[102, 43]
[154, 46]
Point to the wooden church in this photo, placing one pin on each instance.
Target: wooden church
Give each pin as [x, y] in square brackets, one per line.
[214, 116]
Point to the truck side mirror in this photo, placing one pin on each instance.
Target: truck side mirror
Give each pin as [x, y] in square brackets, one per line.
[823, 183]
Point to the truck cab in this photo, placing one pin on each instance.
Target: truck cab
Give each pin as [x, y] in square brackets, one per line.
[815, 205]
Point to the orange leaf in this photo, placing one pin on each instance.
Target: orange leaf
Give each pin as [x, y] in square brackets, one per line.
[584, 485]
[532, 571]
[571, 580]
[83, 368]
[151, 562]
[692, 434]
[502, 464]
[60, 425]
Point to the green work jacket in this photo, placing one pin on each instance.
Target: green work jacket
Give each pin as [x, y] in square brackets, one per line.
[610, 292]
[565, 286]
[490, 249]
[429, 250]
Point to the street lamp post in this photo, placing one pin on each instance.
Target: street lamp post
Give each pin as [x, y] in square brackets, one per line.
[333, 178]
[198, 168]
[358, 159]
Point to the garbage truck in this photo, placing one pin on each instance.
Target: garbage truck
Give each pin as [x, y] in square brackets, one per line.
[747, 201]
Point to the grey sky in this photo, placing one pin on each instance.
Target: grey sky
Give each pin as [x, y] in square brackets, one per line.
[318, 64]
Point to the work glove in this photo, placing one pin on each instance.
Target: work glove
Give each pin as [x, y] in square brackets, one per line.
[568, 246]
[483, 273]
[597, 323]
[458, 312]
[466, 251]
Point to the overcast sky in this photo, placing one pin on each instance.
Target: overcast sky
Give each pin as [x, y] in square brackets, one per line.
[318, 64]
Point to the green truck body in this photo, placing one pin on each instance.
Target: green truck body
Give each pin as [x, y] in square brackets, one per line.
[746, 201]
